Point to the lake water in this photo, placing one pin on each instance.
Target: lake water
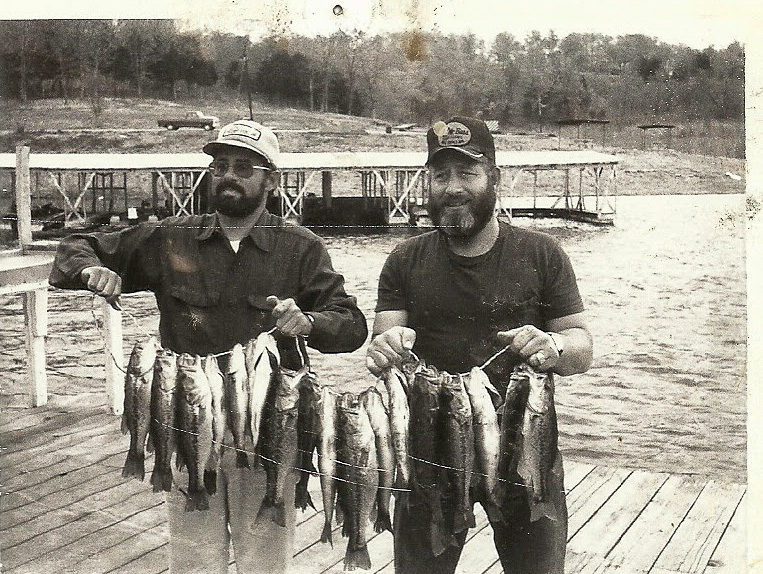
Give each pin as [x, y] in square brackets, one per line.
[666, 303]
[665, 295]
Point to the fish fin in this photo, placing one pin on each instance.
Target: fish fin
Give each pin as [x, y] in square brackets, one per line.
[544, 509]
[357, 558]
[463, 521]
[161, 481]
[210, 481]
[302, 499]
[149, 443]
[197, 500]
[242, 460]
[338, 514]
[134, 465]
[326, 534]
[179, 460]
[439, 539]
[383, 522]
[275, 511]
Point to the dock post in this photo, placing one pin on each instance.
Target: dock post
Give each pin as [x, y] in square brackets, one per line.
[112, 334]
[326, 178]
[23, 198]
[35, 305]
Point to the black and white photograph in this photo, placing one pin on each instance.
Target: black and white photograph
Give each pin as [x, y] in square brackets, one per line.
[394, 286]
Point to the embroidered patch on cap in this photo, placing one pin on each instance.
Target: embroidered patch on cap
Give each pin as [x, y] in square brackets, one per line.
[457, 134]
[244, 131]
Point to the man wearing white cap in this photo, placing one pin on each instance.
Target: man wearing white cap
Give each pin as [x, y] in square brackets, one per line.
[456, 296]
[220, 279]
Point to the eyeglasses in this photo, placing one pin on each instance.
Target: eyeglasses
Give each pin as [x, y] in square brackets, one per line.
[242, 169]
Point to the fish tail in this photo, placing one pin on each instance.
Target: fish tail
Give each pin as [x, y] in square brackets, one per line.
[134, 465]
[439, 539]
[242, 461]
[302, 498]
[197, 500]
[210, 481]
[326, 534]
[383, 522]
[161, 479]
[357, 558]
[275, 511]
[463, 521]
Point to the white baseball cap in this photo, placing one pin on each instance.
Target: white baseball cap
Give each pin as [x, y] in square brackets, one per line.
[247, 134]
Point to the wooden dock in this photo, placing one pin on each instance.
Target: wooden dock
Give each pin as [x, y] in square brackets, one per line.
[65, 508]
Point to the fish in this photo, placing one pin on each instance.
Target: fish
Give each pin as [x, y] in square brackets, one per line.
[279, 449]
[359, 477]
[540, 441]
[262, 358]
[327, 458]
[399, 417]
[487, 437]
[308, 427]
[216, 382]
[194, 417]
[426, 436]
[237, 391]
[163, 408]
[385, 455]
[512, 415]
[137, 405]
[458, 463]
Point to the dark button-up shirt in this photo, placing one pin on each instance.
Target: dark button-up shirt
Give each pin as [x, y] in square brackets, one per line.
[211, 297]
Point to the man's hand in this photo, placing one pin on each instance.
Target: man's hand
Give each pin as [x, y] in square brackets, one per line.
[389, 348]
[533, 345]
[290, 320]
[104, 282]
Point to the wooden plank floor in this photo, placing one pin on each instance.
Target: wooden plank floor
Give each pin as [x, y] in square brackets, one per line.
[66, 509]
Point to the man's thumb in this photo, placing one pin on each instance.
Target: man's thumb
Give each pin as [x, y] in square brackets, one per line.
[409, 338]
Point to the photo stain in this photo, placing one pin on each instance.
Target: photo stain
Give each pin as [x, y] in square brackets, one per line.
[415, 46]
[338, 10]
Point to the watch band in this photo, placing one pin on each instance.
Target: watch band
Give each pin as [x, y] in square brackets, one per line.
[558, 342]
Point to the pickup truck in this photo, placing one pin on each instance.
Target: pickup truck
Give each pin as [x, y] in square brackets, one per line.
[195, 119]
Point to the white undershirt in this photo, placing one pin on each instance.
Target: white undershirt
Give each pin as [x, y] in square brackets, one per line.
[235, 244]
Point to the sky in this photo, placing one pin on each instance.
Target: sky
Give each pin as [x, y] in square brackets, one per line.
[696, 23]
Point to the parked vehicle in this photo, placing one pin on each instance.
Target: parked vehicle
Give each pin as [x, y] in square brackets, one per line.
[194, 119]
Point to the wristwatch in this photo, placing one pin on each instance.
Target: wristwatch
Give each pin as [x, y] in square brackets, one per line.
[558, 342]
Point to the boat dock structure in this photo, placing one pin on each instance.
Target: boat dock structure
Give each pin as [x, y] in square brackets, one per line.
[66, 508]
[317, 188]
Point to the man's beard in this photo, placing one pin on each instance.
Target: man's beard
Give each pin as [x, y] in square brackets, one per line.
[463, 220]
[238, 205]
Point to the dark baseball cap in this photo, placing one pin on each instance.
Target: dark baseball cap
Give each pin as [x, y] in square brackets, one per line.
[469, 136]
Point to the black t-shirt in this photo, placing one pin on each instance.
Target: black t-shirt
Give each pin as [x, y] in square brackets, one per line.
[457, 304]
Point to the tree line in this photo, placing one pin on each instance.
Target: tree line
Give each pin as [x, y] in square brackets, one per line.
[411, 76]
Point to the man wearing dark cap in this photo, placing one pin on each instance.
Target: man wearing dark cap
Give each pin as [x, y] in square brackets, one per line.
[457, 295]
[220, 279]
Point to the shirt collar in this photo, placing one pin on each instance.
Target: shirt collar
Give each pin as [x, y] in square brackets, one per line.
[262, 232]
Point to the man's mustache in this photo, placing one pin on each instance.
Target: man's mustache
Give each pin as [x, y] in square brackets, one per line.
[223, 185]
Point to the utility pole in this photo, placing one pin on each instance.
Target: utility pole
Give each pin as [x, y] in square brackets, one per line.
[245, 77]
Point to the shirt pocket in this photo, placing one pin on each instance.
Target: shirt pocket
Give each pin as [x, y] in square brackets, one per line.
[194, 311]
[260, 312]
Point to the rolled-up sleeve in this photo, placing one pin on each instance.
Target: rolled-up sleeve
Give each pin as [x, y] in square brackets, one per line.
[339, 326]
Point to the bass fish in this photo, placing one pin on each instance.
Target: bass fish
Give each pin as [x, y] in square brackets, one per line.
[512, 414]
[308, 427]
[425, 445]
[279, 445]
[385, 456]
[261, 359]
[194, 419]
[237, 391]
[399, 417]
[216, 382]
[163, 407]
[359, 477]
[540, 440]
[459, 449]
[137, 406]
[487, 436]
[327, 458]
